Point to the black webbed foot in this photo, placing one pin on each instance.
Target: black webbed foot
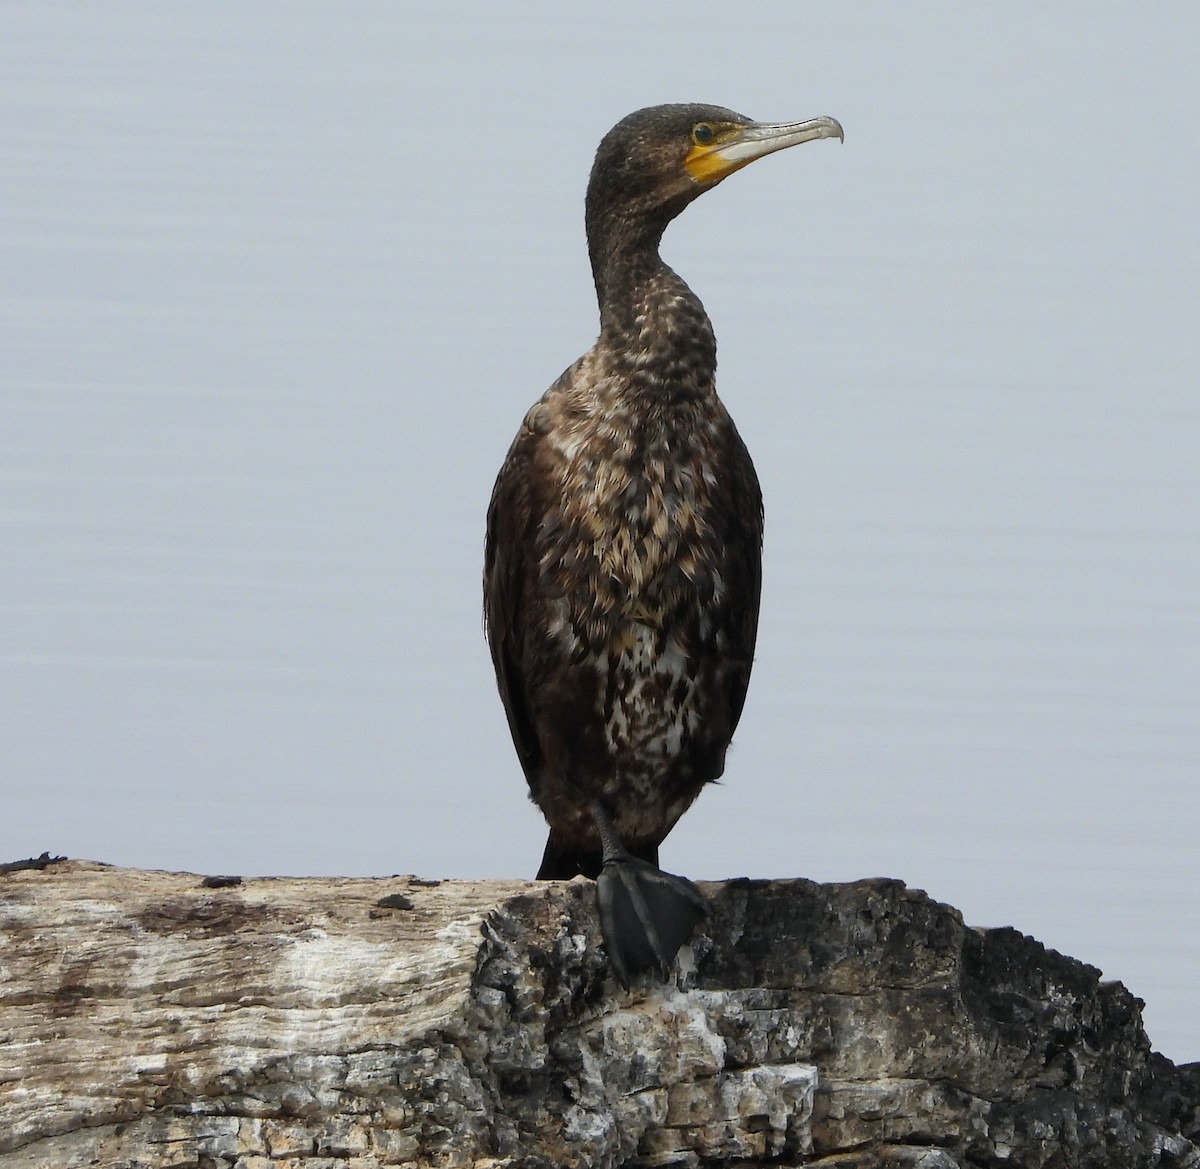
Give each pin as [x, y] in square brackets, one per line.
[645, 914]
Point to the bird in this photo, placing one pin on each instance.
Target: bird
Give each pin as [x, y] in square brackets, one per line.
[623, 554]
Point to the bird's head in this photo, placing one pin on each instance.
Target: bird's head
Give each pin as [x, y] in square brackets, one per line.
[650, 165]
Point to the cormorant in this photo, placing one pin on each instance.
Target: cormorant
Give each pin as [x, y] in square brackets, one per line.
[624, 540]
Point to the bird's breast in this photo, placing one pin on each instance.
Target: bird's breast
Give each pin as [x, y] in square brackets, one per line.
[633, 532]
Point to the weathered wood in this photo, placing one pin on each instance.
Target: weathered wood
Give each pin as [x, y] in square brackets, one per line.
[151, 1020]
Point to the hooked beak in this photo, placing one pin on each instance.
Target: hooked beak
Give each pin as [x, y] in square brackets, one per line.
[710, 164]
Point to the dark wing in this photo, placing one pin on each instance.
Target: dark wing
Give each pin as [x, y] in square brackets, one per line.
[742, 569]
[512, 524]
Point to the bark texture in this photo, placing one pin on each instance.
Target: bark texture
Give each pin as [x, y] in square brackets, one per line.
[160, 1019]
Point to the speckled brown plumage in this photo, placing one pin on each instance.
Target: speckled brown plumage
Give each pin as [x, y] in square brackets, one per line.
[624, 535]
[623, 560]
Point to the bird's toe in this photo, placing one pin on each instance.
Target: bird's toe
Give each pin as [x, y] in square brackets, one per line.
[645, 916]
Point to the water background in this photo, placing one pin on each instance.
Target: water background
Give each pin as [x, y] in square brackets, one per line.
[277, 283]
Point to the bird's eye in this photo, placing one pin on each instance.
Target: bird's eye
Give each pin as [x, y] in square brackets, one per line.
[703, 134]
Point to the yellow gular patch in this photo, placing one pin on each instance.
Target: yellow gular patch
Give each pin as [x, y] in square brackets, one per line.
[705, 164]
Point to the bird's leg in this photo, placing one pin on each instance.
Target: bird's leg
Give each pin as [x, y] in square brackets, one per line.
[619, 861]
[645, 914]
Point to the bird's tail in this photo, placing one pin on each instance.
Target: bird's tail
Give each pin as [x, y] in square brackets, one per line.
[562, 862]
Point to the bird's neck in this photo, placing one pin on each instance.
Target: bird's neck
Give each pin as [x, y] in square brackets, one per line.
[650, 320]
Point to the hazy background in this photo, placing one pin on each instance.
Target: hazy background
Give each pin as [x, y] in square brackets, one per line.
[278, 282]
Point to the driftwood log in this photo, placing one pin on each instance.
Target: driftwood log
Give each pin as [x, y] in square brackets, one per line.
[159, 1019]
